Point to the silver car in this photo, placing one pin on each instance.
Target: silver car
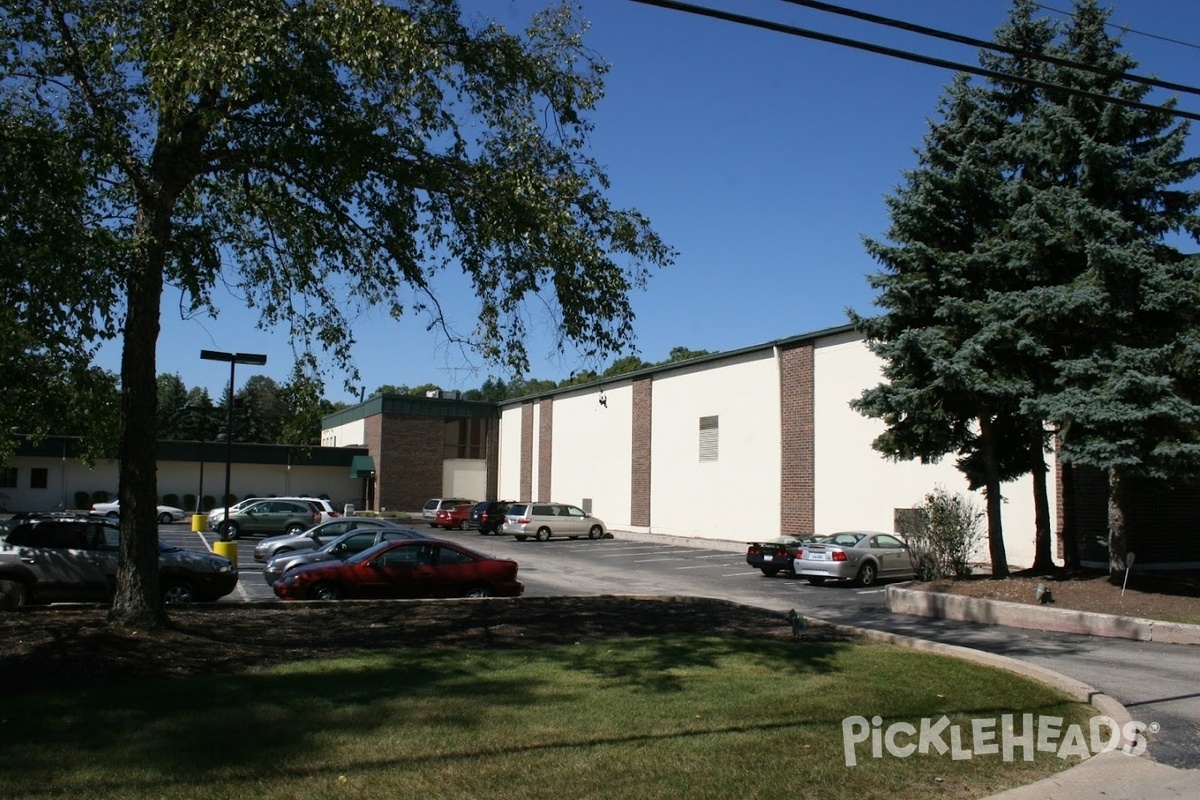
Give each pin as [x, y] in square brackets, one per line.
[314, 537]
[341, 548]
[543, 520]
[861, 556]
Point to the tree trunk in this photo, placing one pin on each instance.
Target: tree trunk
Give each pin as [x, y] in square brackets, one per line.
[136, 603]
[1118, 535]
[991, 468]
[1043, 553]
[1070, 524]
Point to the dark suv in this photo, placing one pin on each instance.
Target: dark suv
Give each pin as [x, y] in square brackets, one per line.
[73, 558]
[487, 516]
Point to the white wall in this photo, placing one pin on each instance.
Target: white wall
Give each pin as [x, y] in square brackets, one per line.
[737, 495]
[465, 477]
[508, 460]
[592, 449]
[351, 434]
[856, 487]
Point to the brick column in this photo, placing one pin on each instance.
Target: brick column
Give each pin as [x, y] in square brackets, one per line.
[640, 489]
[526, 452]
[797, 437]
[545, 448]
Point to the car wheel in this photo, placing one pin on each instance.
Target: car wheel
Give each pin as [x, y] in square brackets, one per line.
[12, 595]
[816, 581]
[113, 515]
[164, 518]
[325, 591]
[522, 538]
[867, 574]
[293, 529]
[596, 532]
[477, 591]
[770, 572]
[542, 534]
[462, 526]
[178, 594]
[229, 530]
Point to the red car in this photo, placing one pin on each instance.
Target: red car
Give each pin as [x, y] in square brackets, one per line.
[453, 519]
[404, 568]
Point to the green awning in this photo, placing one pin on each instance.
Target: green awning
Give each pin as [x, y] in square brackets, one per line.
[362, 467]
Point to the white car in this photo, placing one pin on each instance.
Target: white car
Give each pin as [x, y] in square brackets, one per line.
[166, 514]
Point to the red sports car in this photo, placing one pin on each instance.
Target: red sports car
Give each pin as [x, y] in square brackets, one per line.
[453, 519]
[404, 568]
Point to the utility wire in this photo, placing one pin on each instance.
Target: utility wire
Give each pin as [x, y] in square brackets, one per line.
[1119, 27]
[1012, 51]
[907, 55]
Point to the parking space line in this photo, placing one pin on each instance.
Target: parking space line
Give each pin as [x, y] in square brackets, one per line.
[706, 566]
[649, 560]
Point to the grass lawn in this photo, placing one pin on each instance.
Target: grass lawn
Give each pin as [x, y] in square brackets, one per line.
[665, 717]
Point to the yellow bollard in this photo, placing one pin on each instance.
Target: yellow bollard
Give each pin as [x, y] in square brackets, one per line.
[226, 548]
[199, 523]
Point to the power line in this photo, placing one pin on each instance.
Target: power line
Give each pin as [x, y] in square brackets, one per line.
[981, 43]
[1116, 26]
[907, 55]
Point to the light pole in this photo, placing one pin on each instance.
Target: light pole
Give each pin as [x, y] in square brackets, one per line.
[234, 359]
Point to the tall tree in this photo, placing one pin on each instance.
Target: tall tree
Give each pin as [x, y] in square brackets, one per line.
[321, 157]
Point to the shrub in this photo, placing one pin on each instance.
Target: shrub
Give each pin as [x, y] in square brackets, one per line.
[210, 502]
[943, 534]
[171, 499]
[189, 501]
[83, 500]
[99, 496]
[230, 499]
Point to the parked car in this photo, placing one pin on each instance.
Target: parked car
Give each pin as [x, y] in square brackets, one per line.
[268, 516]
[432, 507]
[48, 558]
[218, 514]
[543, 520]
[456, 518]
[404, 568]
[486, 517]
[341, 548]
[773, 556]
[314, 537]
[166, 514]
[862, 556]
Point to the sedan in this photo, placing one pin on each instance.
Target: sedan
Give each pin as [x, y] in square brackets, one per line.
[341, 548]
[314, 537]
[861, 556]
[455, 518]
[404, 568]
[166, 514]
[775, 555]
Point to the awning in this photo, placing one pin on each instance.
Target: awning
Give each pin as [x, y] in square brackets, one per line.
[362, 467]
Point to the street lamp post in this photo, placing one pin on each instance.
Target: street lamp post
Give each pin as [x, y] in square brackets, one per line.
[234, 359]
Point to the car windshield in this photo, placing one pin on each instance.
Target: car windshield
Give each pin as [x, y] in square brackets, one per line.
[370, 552]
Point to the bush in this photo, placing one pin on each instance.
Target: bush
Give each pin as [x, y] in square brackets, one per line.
[83, 500]
[189, 502]
[210, 502]
[171, 500]
[943, 535]
[99, 496]
[229, 500]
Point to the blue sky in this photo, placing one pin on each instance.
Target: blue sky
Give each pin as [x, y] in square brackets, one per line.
[762, 158]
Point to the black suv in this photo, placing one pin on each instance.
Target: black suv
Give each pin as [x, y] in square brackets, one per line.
[488, 516]
[48, 558]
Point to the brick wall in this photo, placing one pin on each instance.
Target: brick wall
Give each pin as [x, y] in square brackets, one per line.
[412, 472]
[545, 448]
[643, 404]
[797, 468]
[526, 452]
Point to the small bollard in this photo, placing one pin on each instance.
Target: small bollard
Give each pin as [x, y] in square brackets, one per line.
[227, 548]
[198, 523]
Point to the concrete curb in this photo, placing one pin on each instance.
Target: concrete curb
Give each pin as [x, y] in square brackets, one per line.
[918, 603]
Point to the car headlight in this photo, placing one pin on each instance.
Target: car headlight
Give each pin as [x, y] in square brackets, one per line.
[220, 564]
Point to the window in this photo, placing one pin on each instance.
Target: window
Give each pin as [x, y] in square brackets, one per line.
[8, 478]
[708, 438]
[39, 478]
[448, 556]
[465, 438]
